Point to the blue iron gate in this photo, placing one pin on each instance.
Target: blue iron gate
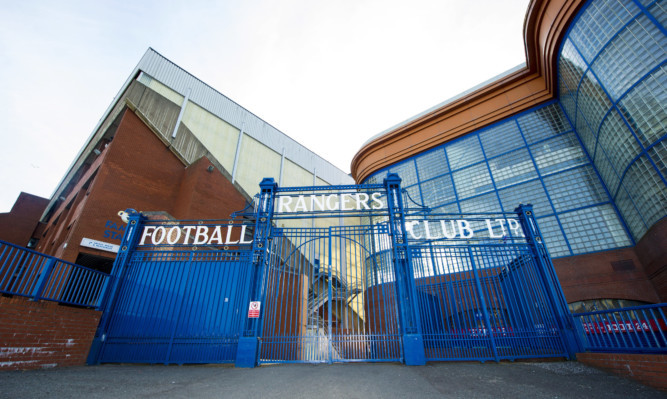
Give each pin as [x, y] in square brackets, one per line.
[320, 303]
[334, 274]
[180, 298]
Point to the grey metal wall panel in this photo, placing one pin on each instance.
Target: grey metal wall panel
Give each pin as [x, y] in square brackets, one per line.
[171, 75]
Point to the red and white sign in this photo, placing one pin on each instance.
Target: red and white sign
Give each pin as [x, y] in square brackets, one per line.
[253, 311]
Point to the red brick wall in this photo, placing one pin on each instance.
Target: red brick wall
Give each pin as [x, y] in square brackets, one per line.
[647, 369]
[138, 171]
[44, 334]
[18, 225]
[652, 252]
[593, 276]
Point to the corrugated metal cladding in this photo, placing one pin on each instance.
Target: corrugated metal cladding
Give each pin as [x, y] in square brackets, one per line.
[173, 76]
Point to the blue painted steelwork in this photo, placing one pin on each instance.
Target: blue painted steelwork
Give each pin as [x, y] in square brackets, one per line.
[405, 285]
[639, 329]
[321, 302]
[172, 302]
[31, 274]
[482, 295]
[342, 274]
[249, 342]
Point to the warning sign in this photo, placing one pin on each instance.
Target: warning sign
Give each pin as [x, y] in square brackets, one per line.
[253, 311]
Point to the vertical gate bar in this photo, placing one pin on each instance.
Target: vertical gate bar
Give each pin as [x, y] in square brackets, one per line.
[482, 303]
[129, 242]
[180, 301]
[413, 341]
[248, 348]
[329, 294]
[471, 301]
[554, 292]
[513, 307]
[267, 344]
[157, 274]
[43, 278]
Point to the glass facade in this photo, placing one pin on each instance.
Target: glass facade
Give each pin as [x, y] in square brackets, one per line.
[593, 163]
[534, 158]
[612, 85]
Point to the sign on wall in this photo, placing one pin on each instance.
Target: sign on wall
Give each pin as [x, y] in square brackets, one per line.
[101, 245]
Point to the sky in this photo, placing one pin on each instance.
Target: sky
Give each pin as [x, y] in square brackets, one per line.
[330, 74]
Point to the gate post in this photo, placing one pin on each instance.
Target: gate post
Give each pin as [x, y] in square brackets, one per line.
[549, 279]
[413, 342]
[109, 291]
[248, 347]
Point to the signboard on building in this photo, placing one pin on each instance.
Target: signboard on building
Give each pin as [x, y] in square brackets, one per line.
[101, 245]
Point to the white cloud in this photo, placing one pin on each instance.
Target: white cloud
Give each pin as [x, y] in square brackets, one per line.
[329, 74]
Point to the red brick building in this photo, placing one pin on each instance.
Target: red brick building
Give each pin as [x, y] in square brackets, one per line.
[168, 143]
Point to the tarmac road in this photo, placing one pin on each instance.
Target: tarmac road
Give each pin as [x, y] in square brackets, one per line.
[355, 380]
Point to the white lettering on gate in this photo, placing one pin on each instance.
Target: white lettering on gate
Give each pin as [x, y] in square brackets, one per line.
[314, 200]
[217, 236]
[229, 235]
[146, 234]
[464, 226]
[201, 235]
[461, 228]
[331, 202]
[515, 227]
[174, 231]
[329, 206]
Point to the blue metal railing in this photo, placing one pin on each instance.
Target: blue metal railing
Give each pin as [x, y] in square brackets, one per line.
[37, 276]
[638, 329]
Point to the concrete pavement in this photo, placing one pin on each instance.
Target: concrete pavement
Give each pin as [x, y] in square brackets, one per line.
[356, 380]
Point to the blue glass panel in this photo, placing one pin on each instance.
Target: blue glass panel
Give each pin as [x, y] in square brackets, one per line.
[414, 198]
[501, 138]
[659, 156]
[450, 208]
[483, 203]
[567, 101]
[376, 178]
[571, 67]
[438, 191]
[609, 175]
[645, 107]
[593, 102]
[526, 193]
[558, 153]
[593, 229]
[432, 164]
[553, 236]
[598, 24]
[588, 136]
[575, 188]
[618, 142]
[406, 171]
[464, 152]
[630, 214]
[633, 53]
[647, 190]
[659, 11]
[542, 123]
[512, 168]
[472, 181]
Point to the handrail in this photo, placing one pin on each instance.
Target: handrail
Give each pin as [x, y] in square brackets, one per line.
[31, 274]
[637, 329]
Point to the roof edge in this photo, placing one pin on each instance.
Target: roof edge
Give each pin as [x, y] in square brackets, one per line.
[517, 90]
